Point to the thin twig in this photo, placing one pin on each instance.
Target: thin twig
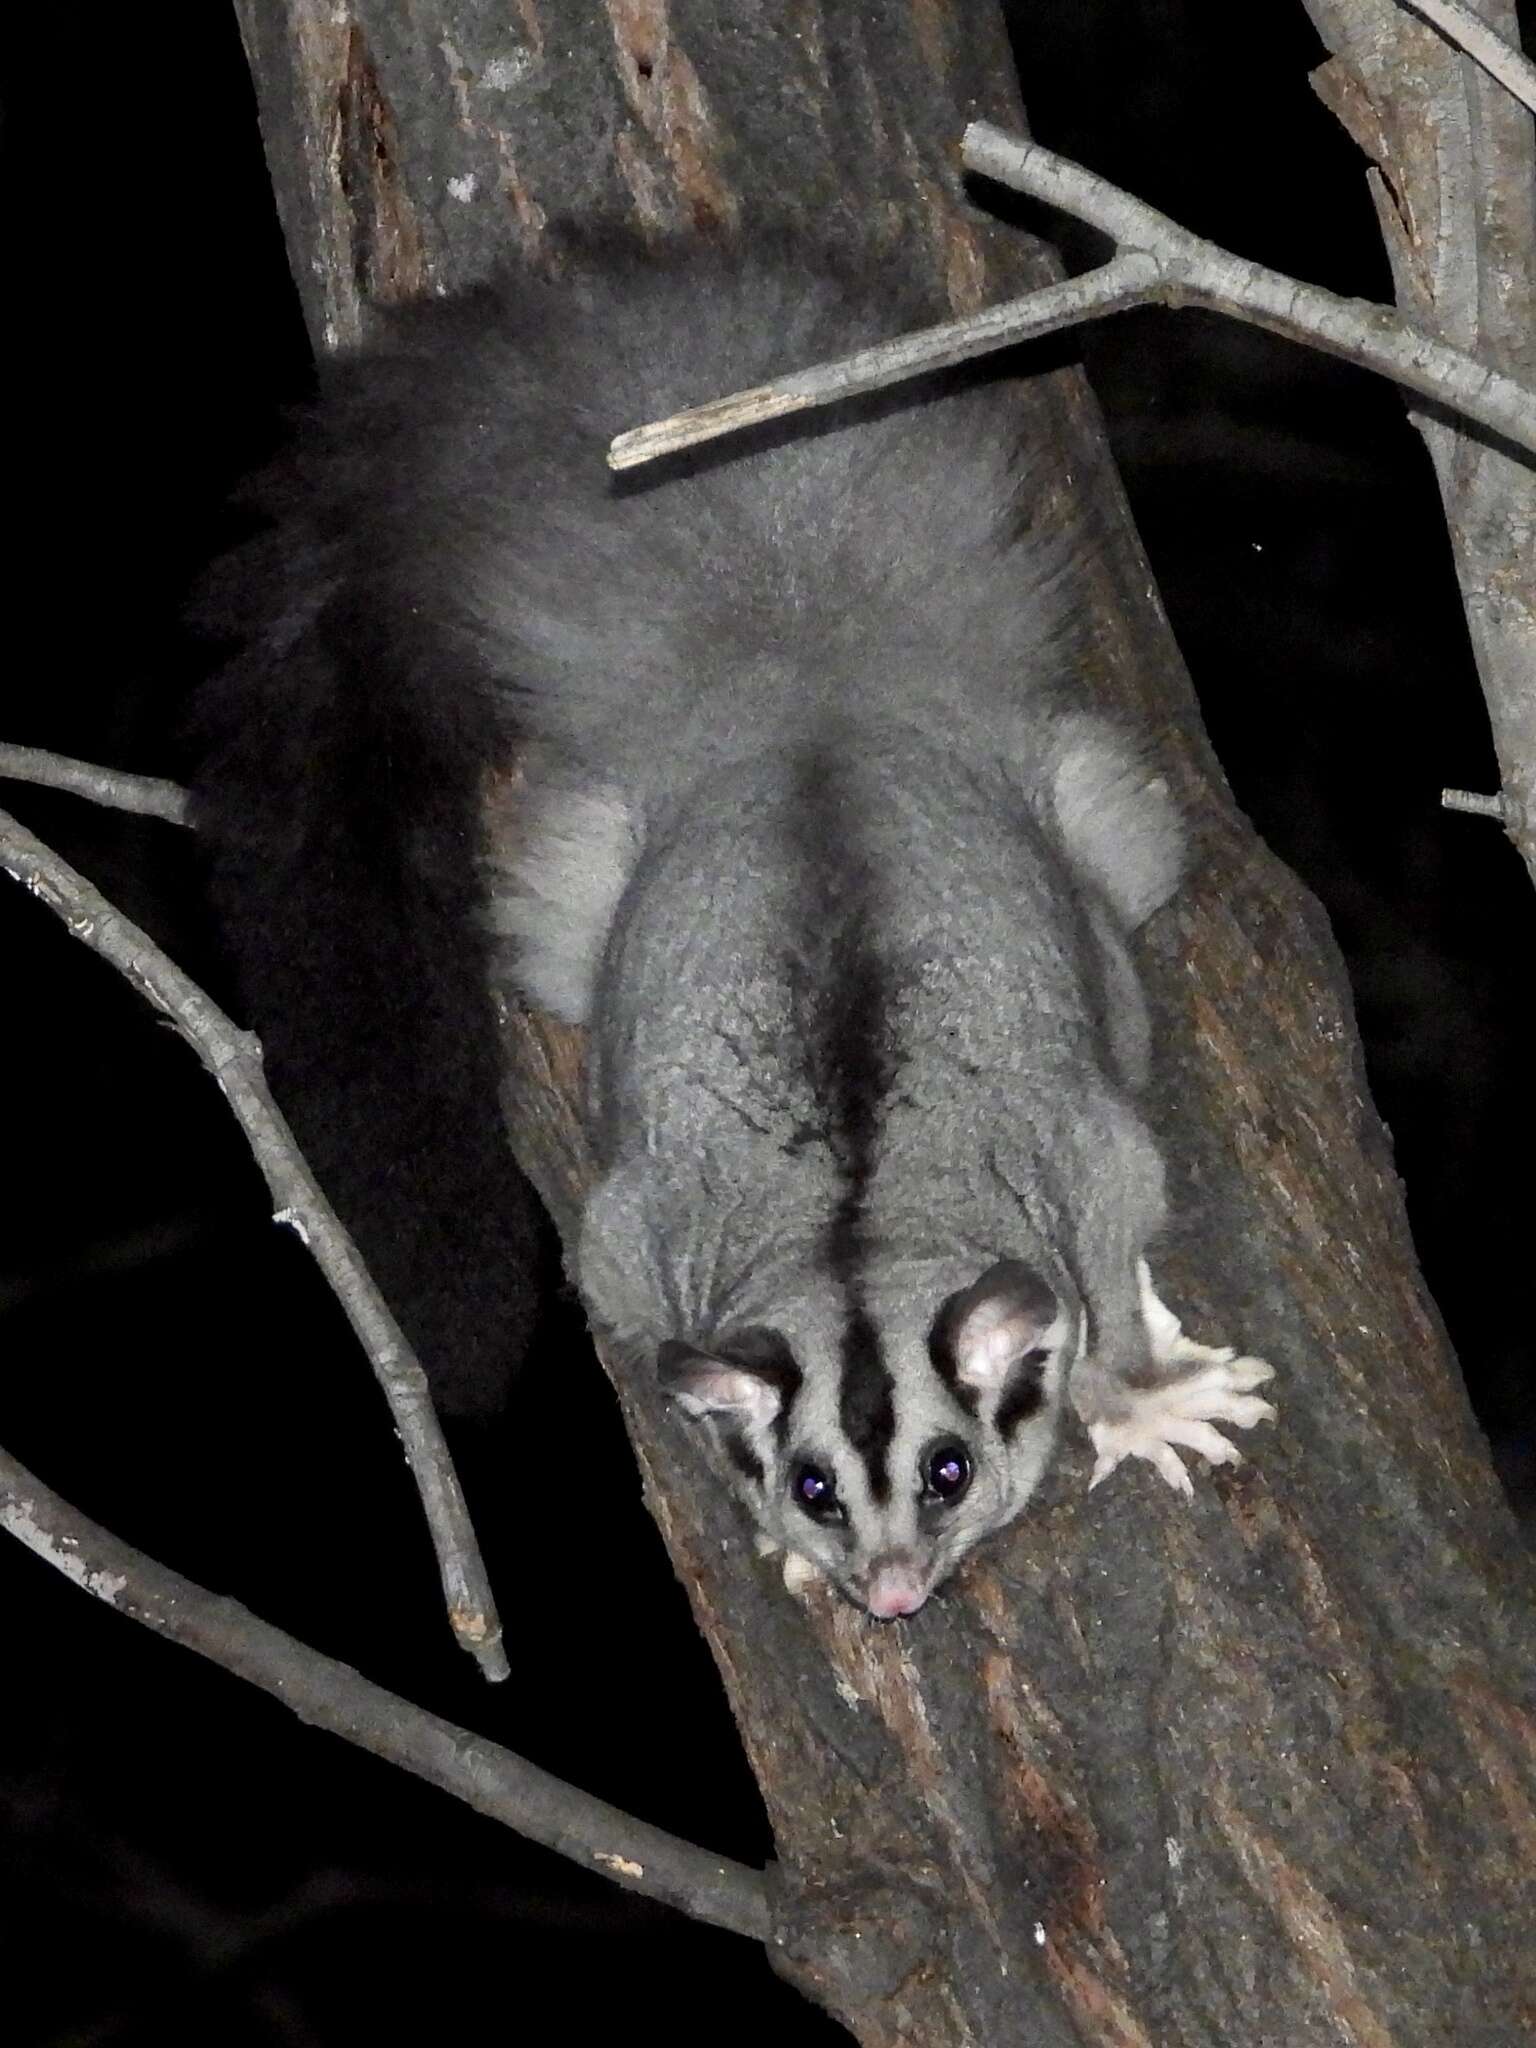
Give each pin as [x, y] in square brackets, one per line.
[1123, 282]
[233, 1057]
[1459, 25]
[326, 1694]
[146, 794]
[1478, 806]
[1158, 263]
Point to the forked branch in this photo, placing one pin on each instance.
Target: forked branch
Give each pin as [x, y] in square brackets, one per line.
[233, 1057]
[493, 1780]
[1157, 263]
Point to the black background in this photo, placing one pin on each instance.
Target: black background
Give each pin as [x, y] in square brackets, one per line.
[179, 1859]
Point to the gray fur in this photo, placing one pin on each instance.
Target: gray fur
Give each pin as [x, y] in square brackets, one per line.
[816, 843]
[1116, 821]
[1004, 1130]
[561, 887]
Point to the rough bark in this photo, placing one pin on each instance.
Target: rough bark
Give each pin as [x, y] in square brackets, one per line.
[1454, 181]
[1261, 1769]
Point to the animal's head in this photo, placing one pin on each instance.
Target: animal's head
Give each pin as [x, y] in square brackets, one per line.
[883, 1442]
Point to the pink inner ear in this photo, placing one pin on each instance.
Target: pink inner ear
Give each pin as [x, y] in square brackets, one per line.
[992, 1339]
[714, 1388]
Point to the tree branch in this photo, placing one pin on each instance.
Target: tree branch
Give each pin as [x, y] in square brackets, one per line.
[325, 1694]
[1470, 801]
[233, 1057]
[1454, 186]
[146, 794]
[1197, 272]
[1127, 281]
[1145, 1774]
[1159, 263]
[1459, 25]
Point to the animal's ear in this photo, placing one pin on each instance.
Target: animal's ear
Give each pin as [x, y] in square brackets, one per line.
[749, 1381]
[987, 1329]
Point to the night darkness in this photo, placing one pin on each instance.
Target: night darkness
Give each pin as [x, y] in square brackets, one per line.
[180, 1860]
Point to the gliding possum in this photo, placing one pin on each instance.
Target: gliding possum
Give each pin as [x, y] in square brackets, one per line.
[769, 767]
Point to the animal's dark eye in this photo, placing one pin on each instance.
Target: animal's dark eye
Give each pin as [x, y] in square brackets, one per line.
[946, 1473]
[816, 1492]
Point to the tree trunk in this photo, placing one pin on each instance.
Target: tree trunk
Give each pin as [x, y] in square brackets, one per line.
[1257, 1769]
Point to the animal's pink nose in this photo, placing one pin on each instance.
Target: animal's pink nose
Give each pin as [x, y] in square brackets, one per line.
[895, 1586]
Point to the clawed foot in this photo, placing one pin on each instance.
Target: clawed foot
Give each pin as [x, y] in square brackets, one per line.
[1182, 1413]
[1155, 1423]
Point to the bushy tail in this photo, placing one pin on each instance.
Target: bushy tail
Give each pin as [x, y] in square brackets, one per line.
[340, 831]
[448, 565]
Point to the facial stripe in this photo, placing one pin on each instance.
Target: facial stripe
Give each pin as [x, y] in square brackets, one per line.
[1022, 1397]
[783, 1421]
[1030, 1305]
[844, 1011]
[743, 1457]
[861, 1073]
[942, 1356]
[766, 1352]
[866, 1404]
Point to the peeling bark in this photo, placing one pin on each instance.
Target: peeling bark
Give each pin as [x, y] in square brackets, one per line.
[1259, 1769]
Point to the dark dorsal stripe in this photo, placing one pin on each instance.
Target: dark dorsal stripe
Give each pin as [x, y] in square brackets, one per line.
[841, 992]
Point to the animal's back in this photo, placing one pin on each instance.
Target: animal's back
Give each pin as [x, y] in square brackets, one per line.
[452, 582]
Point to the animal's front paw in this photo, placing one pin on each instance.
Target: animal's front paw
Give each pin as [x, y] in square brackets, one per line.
[1157, 1422]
